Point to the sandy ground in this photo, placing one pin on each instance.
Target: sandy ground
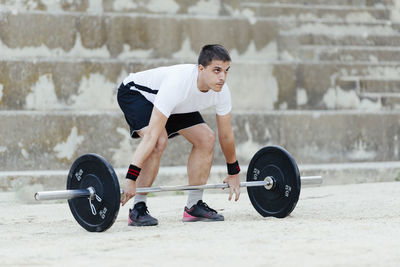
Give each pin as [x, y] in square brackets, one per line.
[348, 225]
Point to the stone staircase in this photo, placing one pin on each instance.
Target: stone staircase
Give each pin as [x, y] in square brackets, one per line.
[319, 79]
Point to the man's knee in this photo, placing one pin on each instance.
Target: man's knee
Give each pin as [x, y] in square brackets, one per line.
[161, 144]
[207, 140]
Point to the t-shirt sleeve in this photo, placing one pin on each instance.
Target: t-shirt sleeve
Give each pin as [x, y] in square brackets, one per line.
[224, 102]
[170, 95]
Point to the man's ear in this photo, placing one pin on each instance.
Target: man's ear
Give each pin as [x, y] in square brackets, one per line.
[200, 67]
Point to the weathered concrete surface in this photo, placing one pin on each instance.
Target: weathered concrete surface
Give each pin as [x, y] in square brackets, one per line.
[361, 38]
[40, 141]
[332, 174]
[350, 54]
[71, 85]
[326, 13]
[164, 36]
[193, 7]
[60, 85]
[55, 60]
[348, 225]
[336, 78]
[65, 59]
[159, 36]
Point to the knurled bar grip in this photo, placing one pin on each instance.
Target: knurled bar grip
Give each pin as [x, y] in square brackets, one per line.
[194, 187]
[76, 193]
[307, 180]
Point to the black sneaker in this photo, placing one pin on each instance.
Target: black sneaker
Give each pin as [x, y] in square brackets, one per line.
[201, 212]
[140, 216]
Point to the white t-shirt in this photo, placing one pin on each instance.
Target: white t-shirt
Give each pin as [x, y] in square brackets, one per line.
[174, 90]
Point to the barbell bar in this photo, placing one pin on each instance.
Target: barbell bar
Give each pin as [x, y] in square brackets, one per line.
[273, 184]
[91, 193]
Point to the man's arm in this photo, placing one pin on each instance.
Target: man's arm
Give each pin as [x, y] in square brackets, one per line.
[143, 151]
[227, 142]
[149, 140]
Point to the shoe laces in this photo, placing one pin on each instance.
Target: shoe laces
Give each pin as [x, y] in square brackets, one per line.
[203, 204]
[142, 210]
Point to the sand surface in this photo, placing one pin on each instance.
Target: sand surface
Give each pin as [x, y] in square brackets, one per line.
[348, 225]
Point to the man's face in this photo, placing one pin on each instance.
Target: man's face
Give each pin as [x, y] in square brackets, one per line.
[214, 75]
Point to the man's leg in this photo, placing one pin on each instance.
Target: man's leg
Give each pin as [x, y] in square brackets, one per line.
[199, 166]
[139, 215]
[202, 154]
[150, 169]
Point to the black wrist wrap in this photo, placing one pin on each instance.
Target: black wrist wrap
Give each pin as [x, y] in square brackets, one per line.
[233, 168]
[133, 172]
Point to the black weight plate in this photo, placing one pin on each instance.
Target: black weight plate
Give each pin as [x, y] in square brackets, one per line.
[99, 214]
[282, 199]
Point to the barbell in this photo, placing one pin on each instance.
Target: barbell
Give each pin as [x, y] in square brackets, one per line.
[273, 184]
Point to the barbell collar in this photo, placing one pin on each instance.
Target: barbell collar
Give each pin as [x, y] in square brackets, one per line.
[270, 183]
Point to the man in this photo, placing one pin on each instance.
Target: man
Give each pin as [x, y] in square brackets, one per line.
[163, 102]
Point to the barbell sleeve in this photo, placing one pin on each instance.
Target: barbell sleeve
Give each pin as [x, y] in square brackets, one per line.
[311, 180]
[65, 194]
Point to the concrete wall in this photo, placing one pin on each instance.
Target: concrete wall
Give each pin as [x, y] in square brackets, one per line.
[318, 78]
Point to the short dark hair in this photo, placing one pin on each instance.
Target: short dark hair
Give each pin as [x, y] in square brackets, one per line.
[213, 52]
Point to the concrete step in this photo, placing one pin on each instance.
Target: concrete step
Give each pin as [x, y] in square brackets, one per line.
[229, 7]
[371, 86]
[349, 173]
[328, 2]
[337, 42]
[391, 101]
[26, 183]
[53, 140]
[349, 53]
[65, 83]
[293, 41]
[333, 13]
[71, 84]
[311, 78]
[111, 6]
[382, 90]
[216, 7]
[49, 85]
[82, 35]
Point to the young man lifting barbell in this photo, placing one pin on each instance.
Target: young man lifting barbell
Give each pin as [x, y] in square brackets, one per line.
[163, 102]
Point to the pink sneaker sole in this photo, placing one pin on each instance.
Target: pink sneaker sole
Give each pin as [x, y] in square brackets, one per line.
[189, 218]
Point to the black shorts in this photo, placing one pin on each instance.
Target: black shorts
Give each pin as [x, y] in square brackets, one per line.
[137, 110]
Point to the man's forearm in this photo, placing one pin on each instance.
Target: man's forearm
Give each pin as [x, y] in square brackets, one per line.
[227, 144]
[143, 151]
[149, 141]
